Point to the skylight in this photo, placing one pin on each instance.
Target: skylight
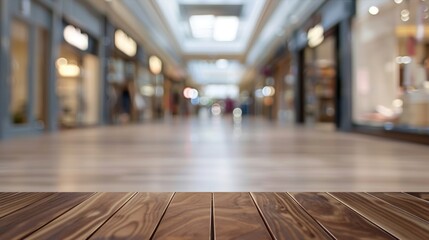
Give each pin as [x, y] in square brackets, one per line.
[218, 28]
[202, 26]
[225, 29]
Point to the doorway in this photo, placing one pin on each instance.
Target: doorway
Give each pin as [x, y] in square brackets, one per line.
[320, 83]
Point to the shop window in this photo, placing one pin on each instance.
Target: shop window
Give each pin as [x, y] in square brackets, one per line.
[320, 80]
[391, 64]
[78, 87]
[40, 101]
[19, 72]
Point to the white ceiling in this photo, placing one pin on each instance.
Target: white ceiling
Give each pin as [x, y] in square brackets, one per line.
[164, 27]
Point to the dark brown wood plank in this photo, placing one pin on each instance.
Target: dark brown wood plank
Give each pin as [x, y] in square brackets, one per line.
[424, 196]
[236, 217]
[28, 219]
[337, 218]
[187, 217]
[81, 221]
[11, 202]
[286, 219]
[137, 219]
[413, 205]
[397, 222]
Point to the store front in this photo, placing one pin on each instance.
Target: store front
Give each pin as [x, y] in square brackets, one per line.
[78, 79]
[321, 61]
[48, 79]
[126, 77]
[391, 87]
[24, 71]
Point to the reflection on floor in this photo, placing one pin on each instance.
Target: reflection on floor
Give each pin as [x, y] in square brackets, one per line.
[211, 155]
[214, 216]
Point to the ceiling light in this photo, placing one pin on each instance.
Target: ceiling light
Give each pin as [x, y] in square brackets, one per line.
[222, 63]
[373, 10]
[202, 26]
[226, 28]
[398, 1]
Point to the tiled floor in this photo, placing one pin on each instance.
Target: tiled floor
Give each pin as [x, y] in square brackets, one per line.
[211, 155]
[212, 216]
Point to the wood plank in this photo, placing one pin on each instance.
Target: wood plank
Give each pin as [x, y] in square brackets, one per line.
[187, 217]
[84, 219]
[286, 219]
[424, 196]
[12, 202]
[413, 205]
[337, 218]
[137, 219]
[397, 222]
[236, 217]
[28, 219]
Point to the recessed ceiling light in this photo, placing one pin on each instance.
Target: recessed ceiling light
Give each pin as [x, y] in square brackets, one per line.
[373, 10]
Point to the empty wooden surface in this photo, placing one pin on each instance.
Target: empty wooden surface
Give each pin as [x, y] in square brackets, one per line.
[338, 219]
[211, 155]
[416, 206]
[396, 221]
[28, 219]
[236, 217]
[286, 219]
[424, 196]
[187, 217]
[137, 219]
[213, 216]
[12, 202]
[84, 219]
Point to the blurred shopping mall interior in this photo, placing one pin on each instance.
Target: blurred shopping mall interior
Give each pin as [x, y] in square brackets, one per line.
[214, 95]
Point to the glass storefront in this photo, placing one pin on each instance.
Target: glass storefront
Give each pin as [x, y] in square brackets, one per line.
[19, 72]
[320, 80]
[391, 64]
[78, 81]
[28, 78]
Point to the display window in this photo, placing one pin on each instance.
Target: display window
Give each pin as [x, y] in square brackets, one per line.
[78, 83]
[391, 64]
[28, 83]
[320, 81]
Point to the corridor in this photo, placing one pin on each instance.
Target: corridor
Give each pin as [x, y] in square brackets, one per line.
[211, 155]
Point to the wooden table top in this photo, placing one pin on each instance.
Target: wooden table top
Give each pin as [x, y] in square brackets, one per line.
[205, 215]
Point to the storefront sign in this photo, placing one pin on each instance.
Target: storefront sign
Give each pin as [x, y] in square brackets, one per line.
[75, 37]
[125, 43]
[315, 35]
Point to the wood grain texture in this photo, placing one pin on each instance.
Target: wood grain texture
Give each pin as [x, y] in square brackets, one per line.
[397, 222]
[424, 196]
[83, 220]
[413, 205]
[28, 219]
[338, 219]
[11, 202]
[286, 219]
[187, 217]
[137, 219]
[236, 217]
